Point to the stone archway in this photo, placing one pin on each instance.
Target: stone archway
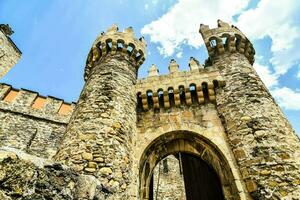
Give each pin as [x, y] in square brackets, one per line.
[189, 143]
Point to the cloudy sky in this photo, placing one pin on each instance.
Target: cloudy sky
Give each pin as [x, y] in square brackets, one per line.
[55, 37]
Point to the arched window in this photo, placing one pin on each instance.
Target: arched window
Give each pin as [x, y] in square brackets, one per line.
[120, 44]
[225, 39]
[193, 93]
[150, 99]
[205, 91]
[182, 94]
[160, 94]
[171, 96]
[130, 48]
[139, 102]
[108, 44]
[139, 55]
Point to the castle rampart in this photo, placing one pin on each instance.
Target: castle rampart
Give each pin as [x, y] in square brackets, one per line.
[32, 122]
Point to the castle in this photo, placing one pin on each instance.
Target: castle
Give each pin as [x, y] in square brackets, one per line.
[213, 132]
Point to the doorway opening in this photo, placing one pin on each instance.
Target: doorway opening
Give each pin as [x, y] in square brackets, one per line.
[186, 165]
[183, 176]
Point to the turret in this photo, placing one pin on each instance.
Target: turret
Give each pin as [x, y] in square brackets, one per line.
[263, 142]
[114, 42]
[98, 139]
[226, 38]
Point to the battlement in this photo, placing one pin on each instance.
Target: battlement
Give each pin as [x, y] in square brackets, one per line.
[226, 38]
[178, 88]
[112, 42]
[30, 103]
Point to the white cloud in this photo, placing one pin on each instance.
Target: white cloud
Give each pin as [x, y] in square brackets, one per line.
[179, 54]
[146, 6]
[270, 79]
[277, 20]
[154, 2]
[287, 98]
[180, 24]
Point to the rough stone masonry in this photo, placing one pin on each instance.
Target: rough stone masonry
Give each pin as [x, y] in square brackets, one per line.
[109, 144]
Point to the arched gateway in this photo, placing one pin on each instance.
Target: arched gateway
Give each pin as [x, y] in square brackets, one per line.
[203, 163]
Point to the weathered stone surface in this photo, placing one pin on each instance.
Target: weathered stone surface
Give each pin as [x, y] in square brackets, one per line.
[107, 109]
[105, 171]
[168, 183]
[24, 176]
[265, 139]
[87, 156]
[9, 53]
[23, 179]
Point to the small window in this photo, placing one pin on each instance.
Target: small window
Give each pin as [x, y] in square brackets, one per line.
[171, 96]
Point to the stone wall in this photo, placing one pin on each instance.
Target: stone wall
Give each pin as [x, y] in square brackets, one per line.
[168, 183]
[9, 53]
[159, 131]
[27, 177]
[265, 146]
[98, 139]
[26, 126]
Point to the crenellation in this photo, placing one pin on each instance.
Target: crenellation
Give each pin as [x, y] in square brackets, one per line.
[194, 64]
[11, 95]
[25, 98]
[52, 105]
[4, 89]
[39, 102]
[112, 42]
[178, 88]
[173, 66]
[226, 39]
[31, 103]
[153, 71]
[66, 108]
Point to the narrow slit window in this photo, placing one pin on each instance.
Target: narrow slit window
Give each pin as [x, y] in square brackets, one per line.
[213, 43]
[150, 99]
[182, 95]
[171, 97]
[205, 92]
[161, 98]
[193, 93]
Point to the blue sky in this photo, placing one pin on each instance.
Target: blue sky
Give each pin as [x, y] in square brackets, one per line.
[55, 37]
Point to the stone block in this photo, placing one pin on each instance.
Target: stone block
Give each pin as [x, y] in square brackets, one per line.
[251, 186]
[87, 156]
[105, 171]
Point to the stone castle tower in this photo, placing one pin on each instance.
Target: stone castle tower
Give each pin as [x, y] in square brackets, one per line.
[213, 132]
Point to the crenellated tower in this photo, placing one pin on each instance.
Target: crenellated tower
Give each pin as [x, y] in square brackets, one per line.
[265, 146]
[98, 139]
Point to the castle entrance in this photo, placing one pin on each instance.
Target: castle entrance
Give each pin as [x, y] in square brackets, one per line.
[202, 171]
[184, 177]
